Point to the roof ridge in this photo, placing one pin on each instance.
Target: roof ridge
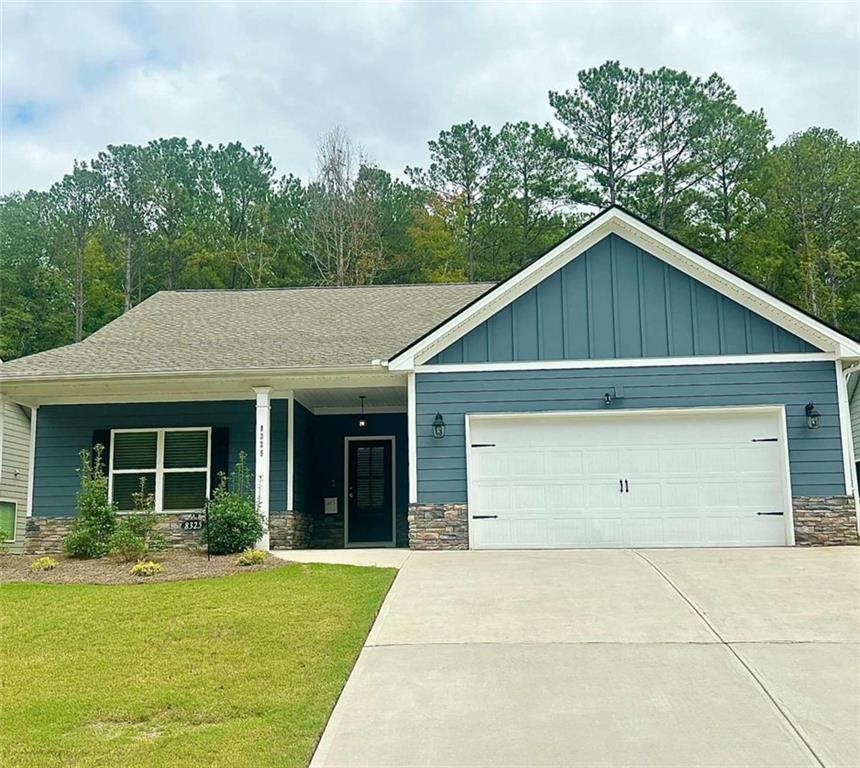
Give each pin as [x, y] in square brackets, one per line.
[323, 287]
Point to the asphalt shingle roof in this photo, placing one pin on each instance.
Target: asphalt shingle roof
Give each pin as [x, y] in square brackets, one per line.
[223, 330]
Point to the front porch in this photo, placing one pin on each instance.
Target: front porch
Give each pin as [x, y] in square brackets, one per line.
[330, 460]
[350, 473]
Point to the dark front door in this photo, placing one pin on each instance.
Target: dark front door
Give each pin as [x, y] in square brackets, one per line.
[370, 496]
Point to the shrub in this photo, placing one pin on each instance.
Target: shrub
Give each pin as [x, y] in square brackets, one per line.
[43, 564]
[146, 568]
[136, 533]
[96, 517]
[251, 557]
[234, 524]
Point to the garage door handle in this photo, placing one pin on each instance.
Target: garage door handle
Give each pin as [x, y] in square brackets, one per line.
[485, 517]
[780, 514]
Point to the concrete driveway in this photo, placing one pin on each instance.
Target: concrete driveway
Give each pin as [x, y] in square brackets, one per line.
[746, 657]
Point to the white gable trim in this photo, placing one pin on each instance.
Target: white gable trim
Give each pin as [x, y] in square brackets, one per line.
[616, 221]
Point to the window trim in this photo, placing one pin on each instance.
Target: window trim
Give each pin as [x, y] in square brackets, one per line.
[160, 470]
[15, 504]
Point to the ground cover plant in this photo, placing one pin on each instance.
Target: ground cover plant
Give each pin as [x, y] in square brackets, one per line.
[232, 671]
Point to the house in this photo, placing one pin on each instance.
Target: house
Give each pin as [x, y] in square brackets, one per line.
[620, 390]
[14, 471]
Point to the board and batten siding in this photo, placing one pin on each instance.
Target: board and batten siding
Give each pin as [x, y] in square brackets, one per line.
[15, 465]
[816, 457]
[614, 301]
[63, 430]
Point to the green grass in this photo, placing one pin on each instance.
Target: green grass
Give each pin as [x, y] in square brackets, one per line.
[233, 671]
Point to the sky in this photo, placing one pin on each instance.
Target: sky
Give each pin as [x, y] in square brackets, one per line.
[75, 77]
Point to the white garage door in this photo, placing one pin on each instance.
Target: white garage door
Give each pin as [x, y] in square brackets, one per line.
[671, 479]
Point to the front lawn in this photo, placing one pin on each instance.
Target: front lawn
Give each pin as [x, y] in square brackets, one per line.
[234, 671]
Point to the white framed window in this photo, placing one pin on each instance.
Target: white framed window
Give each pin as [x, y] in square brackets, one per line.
[174, 463]
[8, 519]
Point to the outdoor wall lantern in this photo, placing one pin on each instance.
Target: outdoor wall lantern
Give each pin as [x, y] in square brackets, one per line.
[813, 417]
[438, 427]
[613, 394]
[362, 420]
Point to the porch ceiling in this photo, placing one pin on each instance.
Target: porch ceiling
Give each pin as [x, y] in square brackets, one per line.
[349, 399]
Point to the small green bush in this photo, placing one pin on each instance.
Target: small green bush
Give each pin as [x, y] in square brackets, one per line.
[234, 524]
[136, 533]
[95, 522]
[251, 557]
[146, 568]
[43, 564]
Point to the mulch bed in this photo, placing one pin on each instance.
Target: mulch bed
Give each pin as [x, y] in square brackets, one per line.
[176, 565]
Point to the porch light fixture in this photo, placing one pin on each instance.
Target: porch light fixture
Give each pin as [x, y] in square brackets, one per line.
[813, 417]
[362, 420]
[438, 427]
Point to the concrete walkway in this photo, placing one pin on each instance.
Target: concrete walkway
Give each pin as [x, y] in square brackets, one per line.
[663, 658]
[380, 557]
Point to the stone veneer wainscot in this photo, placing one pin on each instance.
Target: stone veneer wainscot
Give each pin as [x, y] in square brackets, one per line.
[289, 530]
[825, 520]
[45, 535]
[438, 526]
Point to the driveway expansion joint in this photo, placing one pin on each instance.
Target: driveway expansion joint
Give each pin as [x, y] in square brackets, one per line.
[779, 708]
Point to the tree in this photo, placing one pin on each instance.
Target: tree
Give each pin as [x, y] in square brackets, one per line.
[462, 162]
[242, 186]
[606, 118]
[728, 201]
[127, 204]
[396, 205]
[176, 174]
[813, 182]
[35, 300]
[683, 112]
[342, 234]
[73, 208]
[537, 187]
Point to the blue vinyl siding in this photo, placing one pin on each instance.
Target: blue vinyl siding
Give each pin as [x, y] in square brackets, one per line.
[63, 430]
[815, 456]
[304, 483]
[618, 301]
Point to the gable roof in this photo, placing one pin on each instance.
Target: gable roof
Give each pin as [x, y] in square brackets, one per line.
[246, 330]
[616, 220]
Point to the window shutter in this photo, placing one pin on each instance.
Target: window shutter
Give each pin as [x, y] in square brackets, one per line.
[102, 437]
[220, 455]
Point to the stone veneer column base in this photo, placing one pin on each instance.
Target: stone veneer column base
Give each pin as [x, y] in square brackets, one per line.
[45, 535]
[825, 520]
[289, 530]
[438, 526]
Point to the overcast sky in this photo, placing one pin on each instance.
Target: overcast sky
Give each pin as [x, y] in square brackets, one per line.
[76, 77]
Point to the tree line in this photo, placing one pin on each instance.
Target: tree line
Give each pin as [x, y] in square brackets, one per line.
[675, 149]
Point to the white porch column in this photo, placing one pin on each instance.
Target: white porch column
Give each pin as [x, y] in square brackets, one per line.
[262, 463]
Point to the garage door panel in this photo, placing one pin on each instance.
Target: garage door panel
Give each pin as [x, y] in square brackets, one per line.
[568, 496]
[692, 479]
[563, 463]
[642, 461]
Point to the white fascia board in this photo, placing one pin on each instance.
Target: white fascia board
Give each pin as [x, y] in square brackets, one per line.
[649, 239]
[632, 362]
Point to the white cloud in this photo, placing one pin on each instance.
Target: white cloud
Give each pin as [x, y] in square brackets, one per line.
[78, 77]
